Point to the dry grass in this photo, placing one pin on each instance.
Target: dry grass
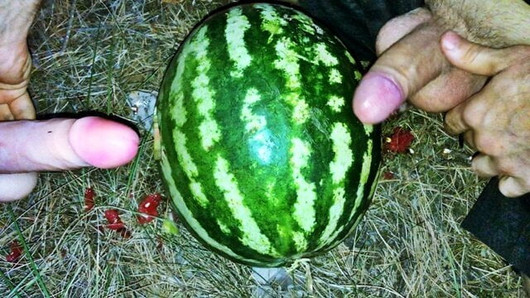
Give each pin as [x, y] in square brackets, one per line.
[88, 56]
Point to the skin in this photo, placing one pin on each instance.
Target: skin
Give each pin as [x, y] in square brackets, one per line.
[62, 144]
[484, 88]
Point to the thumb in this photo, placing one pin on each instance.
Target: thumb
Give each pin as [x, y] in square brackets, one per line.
[478, 59]
[60, 144]
[400, 72]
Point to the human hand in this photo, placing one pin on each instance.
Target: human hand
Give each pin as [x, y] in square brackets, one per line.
[412, 66]
[57, 144]
[496, 120]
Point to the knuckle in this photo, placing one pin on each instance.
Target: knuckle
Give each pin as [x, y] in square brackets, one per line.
[504, 85]
[488, 145]
[506, 167]
[471, 117]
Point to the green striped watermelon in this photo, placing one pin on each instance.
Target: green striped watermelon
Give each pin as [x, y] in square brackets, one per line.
[263, 157]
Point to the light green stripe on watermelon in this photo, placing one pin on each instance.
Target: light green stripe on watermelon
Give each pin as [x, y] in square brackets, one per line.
[335, 212]
[224, 228]
[253, 122]
[367, 170]
[178, 112]
[341, 164]
[336, 103]
[236, 26]
[350, 57]
[365, 174]
[188, 166]
[335, 76]
[272, 22]
[208, 128]
[324, 56]
[343, 159]
[202, 93]
[306, 24]
[304, 211]
[368, 130]
[287, 60]
[358, 75]
[198, 193]
[252, 236]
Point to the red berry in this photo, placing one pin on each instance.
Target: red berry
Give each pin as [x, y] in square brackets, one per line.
[89, 199]
[114, 220]
[16, 252]
[399, 141]
[148, 207]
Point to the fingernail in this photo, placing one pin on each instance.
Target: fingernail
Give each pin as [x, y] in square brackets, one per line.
[376, 98]
[103, 143]
[450, 41]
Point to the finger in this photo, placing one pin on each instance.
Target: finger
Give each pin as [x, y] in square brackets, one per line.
[484, 166]
[58, 144]
[513, 187]
[400, 72]
[5, 113]
[478, 59]
[447, 91]
[16, 62]
[455, 123]
[398, 27]
[22, 107]
[16, 186]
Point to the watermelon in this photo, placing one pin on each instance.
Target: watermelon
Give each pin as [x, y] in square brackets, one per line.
[262, 155]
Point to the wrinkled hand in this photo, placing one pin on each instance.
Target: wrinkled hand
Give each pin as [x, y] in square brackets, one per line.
[413, 66]
[58, 144]
[15, 62]
[496, 120]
